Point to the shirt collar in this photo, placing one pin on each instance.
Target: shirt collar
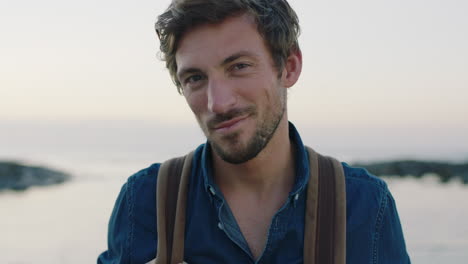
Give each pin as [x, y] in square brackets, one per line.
[302, 165]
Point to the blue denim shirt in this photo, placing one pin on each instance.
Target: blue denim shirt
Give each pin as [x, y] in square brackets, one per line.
[373, 229]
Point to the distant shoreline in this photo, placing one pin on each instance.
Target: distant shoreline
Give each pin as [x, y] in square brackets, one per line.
[446, 171]
[19, 177]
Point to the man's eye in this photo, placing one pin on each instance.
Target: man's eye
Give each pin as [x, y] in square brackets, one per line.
[193, 78]
[240, 66]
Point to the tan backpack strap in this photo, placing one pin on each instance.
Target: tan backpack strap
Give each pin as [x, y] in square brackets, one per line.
[340, 213]
[171, 197]
[325, 220]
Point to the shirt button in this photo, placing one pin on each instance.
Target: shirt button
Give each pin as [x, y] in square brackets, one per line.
[220, 225]
[296, 197]
[212, 191]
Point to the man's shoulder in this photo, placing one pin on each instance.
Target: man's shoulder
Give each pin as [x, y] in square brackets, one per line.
[362, 178]
[364, 191]
[144, 181]
[146, 174]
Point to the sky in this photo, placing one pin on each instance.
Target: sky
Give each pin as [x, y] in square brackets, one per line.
[398, 67]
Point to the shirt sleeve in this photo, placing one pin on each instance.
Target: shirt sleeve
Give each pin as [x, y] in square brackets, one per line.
[132, 235]
[118, 232]
[391, 246]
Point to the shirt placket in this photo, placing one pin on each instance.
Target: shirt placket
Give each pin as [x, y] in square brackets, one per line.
[276, 232]
[278, 228]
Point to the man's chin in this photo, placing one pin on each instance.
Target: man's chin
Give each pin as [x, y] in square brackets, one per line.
[235, 152]
[233, 157]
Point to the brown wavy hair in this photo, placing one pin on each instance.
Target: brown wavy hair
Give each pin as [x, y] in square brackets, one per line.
[276, 21]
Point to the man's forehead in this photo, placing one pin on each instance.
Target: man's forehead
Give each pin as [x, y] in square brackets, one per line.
[231, 36]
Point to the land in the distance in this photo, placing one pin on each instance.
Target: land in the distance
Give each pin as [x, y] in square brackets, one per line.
[19, 177]
[444, 170]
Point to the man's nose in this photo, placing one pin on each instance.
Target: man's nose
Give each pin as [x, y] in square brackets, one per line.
[221, 96]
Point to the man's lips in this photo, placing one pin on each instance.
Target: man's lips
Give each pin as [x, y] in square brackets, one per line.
[229, 123]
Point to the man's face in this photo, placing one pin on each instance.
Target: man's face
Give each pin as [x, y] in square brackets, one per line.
[232, 86]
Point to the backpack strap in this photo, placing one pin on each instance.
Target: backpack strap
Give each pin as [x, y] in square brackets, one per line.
[171, 198]
[325, 216]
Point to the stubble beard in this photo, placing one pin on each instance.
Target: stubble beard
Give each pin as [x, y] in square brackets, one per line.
[232, 150]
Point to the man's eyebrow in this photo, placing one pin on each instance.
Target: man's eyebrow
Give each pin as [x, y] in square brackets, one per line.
[238, 55]
[227, 60]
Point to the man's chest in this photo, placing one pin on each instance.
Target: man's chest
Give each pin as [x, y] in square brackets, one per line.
[214, 235]
[254, 224]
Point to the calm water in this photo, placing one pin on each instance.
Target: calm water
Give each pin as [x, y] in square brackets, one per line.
[67, 223]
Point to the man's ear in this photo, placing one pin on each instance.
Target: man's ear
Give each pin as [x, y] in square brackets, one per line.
[292, 68]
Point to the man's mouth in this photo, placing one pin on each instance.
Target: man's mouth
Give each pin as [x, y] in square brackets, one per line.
[226, 123]
[229, 124]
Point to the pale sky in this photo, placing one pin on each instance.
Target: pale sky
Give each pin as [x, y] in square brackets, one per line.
[399, 63]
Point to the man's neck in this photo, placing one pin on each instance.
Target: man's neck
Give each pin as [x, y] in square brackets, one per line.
[271, 171]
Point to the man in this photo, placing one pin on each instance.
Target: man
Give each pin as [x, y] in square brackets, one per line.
[233, 61]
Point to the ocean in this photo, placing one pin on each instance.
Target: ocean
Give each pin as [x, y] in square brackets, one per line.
[67, 223]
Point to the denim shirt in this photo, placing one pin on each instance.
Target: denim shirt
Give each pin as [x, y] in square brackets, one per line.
[373, 229]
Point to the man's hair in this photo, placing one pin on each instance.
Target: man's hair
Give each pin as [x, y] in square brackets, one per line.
[276, 22]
